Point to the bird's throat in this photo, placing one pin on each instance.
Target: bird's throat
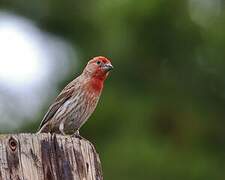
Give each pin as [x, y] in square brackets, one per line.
[96, 84]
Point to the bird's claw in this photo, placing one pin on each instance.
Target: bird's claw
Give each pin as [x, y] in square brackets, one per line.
[77, 135]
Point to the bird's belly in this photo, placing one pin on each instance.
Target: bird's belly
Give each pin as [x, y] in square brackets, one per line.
[74, 114]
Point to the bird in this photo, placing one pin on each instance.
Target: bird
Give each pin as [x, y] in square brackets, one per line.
[78, 100]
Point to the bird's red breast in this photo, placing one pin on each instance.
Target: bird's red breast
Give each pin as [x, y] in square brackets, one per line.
[96, 84]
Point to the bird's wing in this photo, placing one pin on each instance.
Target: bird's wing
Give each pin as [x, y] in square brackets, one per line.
[59, 101]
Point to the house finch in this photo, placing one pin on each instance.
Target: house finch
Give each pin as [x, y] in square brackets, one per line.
[77, 101]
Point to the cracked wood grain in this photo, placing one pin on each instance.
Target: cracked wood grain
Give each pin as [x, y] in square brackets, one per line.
[48, 157]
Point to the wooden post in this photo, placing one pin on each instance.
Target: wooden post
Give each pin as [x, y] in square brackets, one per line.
[47, 157]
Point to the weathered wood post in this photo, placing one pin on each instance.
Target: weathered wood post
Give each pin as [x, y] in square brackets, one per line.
[47, 157]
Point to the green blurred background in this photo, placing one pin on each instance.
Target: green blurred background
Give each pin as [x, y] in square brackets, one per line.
[162, 112]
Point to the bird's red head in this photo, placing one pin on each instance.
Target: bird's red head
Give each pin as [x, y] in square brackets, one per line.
[98, 67]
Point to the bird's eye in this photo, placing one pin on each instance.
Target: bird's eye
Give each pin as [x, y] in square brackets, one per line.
[98, 62]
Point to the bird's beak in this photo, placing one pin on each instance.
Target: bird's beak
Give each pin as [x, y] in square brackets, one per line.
[107, 67]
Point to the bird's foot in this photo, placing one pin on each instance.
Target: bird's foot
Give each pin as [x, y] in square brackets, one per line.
[77, 135]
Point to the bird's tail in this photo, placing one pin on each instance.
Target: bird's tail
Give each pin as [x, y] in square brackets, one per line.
[44, 129]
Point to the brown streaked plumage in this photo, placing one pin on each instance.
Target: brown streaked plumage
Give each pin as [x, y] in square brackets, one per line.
[77, 101]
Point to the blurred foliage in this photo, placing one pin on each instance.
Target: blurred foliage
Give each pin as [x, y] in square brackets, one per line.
[162, 112]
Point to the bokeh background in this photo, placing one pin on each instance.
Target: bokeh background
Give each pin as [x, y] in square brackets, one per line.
[162, 113]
